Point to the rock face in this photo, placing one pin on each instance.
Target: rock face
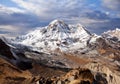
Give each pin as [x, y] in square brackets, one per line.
[10, 71]
[10, 74]
[5, 50]
[79, 76]
[83, 76]
[107, 74]
[75, 76]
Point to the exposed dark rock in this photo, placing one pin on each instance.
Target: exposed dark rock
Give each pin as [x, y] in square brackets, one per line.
[5, 50]
[24, 65]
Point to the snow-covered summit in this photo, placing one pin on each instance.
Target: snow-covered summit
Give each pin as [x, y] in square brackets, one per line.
[57, 22]
[57, 35]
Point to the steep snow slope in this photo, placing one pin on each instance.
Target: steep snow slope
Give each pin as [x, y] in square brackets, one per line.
[56, 36]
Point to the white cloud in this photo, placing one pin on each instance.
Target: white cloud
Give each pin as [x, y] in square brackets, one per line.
[9, 30]
[51, 9]
[10, 10]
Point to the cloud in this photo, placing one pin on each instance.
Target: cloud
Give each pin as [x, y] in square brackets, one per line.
[98, 22]
[9, 30]
[18, 17]
[34, 13]
[100, 27]
[51, 9]
[95, 21]
[112, 4]
[18, 23]
[10, 10]
[97, 15]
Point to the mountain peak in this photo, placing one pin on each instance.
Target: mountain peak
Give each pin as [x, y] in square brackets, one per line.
[117, 29]
[57, 22]
[112, 33]
[57, 35]
[58, 25]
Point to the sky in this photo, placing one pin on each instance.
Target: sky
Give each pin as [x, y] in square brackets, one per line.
[18, 17]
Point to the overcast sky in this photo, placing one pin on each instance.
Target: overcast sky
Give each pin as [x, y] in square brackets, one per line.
[20, 16]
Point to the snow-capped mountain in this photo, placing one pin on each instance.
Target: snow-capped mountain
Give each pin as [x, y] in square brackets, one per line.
[112, 34]
[100, 54]
[57, 36]
[63, 37]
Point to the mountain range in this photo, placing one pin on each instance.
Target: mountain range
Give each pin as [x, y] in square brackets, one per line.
[57, 35]
[56, 51]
